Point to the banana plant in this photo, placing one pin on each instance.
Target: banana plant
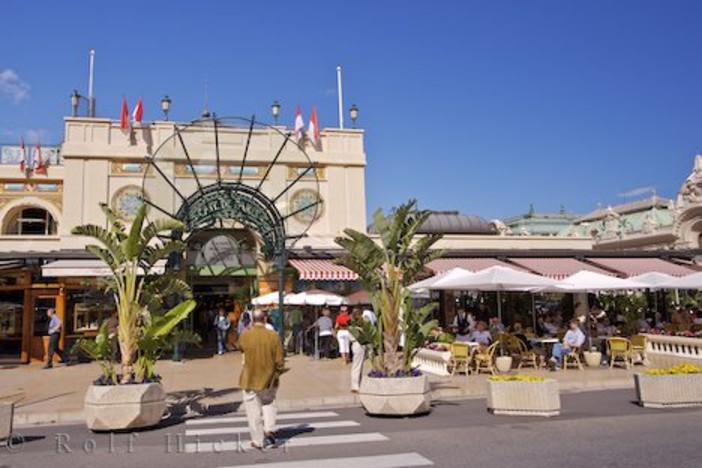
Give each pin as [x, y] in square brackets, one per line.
[139, 293]
[385, 267]
[102, 350]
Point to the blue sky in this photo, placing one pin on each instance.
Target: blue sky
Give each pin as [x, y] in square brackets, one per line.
[478, 106]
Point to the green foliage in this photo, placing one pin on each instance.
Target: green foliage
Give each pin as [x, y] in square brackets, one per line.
[385, 268]
[102, 349]
[140, 294]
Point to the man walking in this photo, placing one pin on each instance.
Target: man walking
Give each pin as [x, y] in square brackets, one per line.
[54, 333]
[263, 364]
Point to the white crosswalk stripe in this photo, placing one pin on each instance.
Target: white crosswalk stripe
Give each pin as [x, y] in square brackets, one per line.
[397, 460]
[302, 429]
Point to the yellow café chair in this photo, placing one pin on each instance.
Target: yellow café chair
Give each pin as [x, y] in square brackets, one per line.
[460, 358]
[638, 349]
[485, 362]
[619, 350]
[572, 359]
[526, 356]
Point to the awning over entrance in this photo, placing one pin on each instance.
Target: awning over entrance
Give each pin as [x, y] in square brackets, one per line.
[636, 266]
[440, 265]
[557, 268]
[87, 268]
[322, 270]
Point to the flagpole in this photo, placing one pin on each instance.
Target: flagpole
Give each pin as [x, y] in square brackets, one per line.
[340, 95]
[91, 98]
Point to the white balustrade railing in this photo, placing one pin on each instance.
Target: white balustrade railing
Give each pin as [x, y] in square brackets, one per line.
[681, 348]
[432, 362]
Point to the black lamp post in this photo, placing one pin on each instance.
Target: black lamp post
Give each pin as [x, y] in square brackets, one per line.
[275, 110]
[353, 112]
[165, 106]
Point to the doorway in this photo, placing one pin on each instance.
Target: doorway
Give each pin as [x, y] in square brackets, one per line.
[39, 340]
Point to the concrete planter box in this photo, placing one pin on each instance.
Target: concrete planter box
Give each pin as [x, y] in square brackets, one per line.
[6, 415]
[402, 396]
[668, 391]
[120, 407]
[593, 358]
[524, 398]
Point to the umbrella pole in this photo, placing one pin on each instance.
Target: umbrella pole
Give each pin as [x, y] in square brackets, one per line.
[499, 306]
[533, 311]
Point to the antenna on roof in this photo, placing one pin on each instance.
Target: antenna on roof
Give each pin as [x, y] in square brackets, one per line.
[205, 110]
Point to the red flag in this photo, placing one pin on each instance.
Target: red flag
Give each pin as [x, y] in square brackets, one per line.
[124, 119]
[138, 112]
[38, 161]
[313, 130]
[299, 126]
[23, 149]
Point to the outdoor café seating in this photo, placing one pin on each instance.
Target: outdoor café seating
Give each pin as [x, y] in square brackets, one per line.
[619, 350]
[460, 358]
[572, 360]
[526, 356]
[485, 361]
[638, 349]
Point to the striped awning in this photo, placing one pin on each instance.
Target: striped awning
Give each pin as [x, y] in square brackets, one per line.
[637, 266]
[557, 268]
[441, 265]
[322, 270]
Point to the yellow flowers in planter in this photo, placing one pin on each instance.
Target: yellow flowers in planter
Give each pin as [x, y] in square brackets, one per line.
[676, 370]
[516, 378]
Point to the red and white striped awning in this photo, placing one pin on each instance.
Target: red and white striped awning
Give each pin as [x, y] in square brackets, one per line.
[637, 266]
[322, 270]
[441, 265]
[557, 268]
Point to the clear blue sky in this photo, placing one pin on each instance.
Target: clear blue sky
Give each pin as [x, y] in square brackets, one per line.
[480, 106]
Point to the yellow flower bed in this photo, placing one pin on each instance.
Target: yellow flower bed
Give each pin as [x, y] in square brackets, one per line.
[676, 370]
[516, 378]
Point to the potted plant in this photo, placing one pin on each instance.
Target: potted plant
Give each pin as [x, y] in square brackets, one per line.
[503, 362]
[523, 395]
[672, 387]
[593, 357]
[129, 394]
[385, 268]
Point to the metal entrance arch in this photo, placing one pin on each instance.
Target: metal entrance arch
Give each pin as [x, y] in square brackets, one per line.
[216, 170]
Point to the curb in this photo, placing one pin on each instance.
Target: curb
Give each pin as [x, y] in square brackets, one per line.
[77, 417]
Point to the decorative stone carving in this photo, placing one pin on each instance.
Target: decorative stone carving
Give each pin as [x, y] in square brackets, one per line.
[650, 222]
[612, 224]
[403, 396]
[119, 407]
[501, 228]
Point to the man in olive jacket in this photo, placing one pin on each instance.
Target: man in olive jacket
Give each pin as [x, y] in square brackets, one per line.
[263, 364]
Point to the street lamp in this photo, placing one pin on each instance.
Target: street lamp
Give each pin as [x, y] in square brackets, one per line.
[275, 110]
[165, 106]
[75, 102]
[353, 112]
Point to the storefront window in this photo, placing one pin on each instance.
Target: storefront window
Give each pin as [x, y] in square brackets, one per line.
[87, 309]
[11, 309]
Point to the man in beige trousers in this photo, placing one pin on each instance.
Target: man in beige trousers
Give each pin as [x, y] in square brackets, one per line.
[263, 364]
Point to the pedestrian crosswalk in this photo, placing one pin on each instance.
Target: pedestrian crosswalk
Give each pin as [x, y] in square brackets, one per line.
[301, 429]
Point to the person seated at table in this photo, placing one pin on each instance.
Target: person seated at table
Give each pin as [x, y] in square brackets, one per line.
[573, 339]
[541, 326]
[481, 336]
[518, 331]
[463, 323]
[550, 327]
[496, 325]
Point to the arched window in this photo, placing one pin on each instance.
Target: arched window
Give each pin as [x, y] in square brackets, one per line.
[30, 221]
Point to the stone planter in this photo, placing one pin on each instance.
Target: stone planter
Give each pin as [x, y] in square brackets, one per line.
[524, 398]
[402, 396]
[6, 415]
[668, 391]
[593, 358]
[120, 407]
[503, 364]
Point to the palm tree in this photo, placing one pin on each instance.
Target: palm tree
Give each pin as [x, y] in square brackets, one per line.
[385, 268]
[139, 293]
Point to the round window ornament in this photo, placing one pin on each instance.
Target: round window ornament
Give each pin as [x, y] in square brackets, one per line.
[127, 201]
[307, 204]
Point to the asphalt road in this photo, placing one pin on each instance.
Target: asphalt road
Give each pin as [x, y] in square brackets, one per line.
[595, 429]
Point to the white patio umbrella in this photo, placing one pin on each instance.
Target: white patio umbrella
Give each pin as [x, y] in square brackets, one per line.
[448, 275]
[589, 281]
[317, 297]
[693, 281]
[654, 280]
[267, 299]
[497, 278]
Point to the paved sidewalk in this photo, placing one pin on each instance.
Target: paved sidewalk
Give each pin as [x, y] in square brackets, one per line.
[209, 386]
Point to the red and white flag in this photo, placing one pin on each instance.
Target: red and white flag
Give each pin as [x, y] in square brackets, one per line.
[23, 150]
[138, 112]
[37, 161]
[313, 130]
[299, 126]
[124, 117]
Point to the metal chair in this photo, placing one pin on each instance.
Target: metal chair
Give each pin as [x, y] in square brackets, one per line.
[460, 358]
[619, 350]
